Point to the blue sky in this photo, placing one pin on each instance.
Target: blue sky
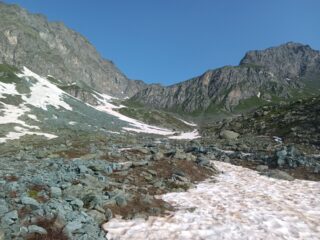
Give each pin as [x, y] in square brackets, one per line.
[168, 41]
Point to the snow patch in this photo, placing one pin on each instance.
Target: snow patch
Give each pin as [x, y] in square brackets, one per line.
[43, 93]
[259, 94]
[137, 126]
[187, 123]
[7, 88]
[33, 117]
[277, 139]
[241, 205]
[187, 135]
[20, 131]
[113, 132]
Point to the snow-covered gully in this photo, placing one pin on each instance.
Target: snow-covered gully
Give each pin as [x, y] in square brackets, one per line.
[241, 204]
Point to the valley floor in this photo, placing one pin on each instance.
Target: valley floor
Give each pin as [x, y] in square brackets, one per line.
[238, 204]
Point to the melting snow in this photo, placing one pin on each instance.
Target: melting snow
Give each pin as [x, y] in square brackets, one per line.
[33, 117]
[19, 132]
[259, 94]
[240, 205]
[277, 139]
[187, 123]
[187, 135]
[138, 126]
[42, 94]
[7, 88]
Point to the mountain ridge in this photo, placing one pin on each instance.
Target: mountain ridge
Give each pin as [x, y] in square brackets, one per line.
[269, 75]
[51, 48]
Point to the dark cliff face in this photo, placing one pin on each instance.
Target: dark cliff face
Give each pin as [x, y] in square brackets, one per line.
[263, 76]
[50, 48]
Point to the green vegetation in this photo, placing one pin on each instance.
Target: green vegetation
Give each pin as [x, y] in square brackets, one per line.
[154, 117]
[6, 68]
[249, 104]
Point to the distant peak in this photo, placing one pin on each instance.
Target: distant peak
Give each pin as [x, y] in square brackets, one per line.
[265, 55]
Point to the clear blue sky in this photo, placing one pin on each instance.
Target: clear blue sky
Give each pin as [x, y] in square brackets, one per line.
[168, 41]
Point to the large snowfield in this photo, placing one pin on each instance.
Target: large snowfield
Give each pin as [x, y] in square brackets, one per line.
[241, 204]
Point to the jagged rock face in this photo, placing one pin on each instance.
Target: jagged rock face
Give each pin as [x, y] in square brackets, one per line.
[261, 75]
[50, 48]
[291, 60]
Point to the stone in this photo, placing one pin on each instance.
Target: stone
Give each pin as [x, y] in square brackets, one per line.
[92, 201]
[55, 192]
[180, 178]
[23, 231]
[157, 156]
[281, 157]
[108, 214]
[77, 203]
[83, 169]
[140, 163]
[280, 175]
[141, 150]
[30, 202]
[71, 227]
[122, 166]
[202, 161]
[229, 135]
[180, 155]
[262, 168]
[37, 229]
[97, 216]
[10, 217]
[2, 236]
[121, 201]
[3, 207]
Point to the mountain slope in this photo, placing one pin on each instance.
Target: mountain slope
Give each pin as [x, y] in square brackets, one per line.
[35, 105]
[50, 48]
[270, 75]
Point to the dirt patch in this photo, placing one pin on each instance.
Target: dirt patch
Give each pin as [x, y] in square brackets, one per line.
[154, 179]
[54, 230]
[141, 207]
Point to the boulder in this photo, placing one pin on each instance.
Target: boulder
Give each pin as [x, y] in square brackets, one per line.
[30, 202]
[55, 192]
[71, 227]
[3, 207]
[278, 174]
[229, 135]
[2, 236]
[10, 217]
[97, 216]
[37, 229]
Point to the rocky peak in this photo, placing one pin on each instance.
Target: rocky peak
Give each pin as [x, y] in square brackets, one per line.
[263, 76]
[50, 48]
[287, 60]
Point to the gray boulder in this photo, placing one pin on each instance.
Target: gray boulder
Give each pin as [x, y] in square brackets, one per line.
[37, 229]
[30, 202]
[229, 135]
[3, 207]
[55, 192]
[10, 217]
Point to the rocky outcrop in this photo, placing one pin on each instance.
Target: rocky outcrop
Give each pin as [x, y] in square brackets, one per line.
[291, 60]
[50, 48]
[262, 76]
